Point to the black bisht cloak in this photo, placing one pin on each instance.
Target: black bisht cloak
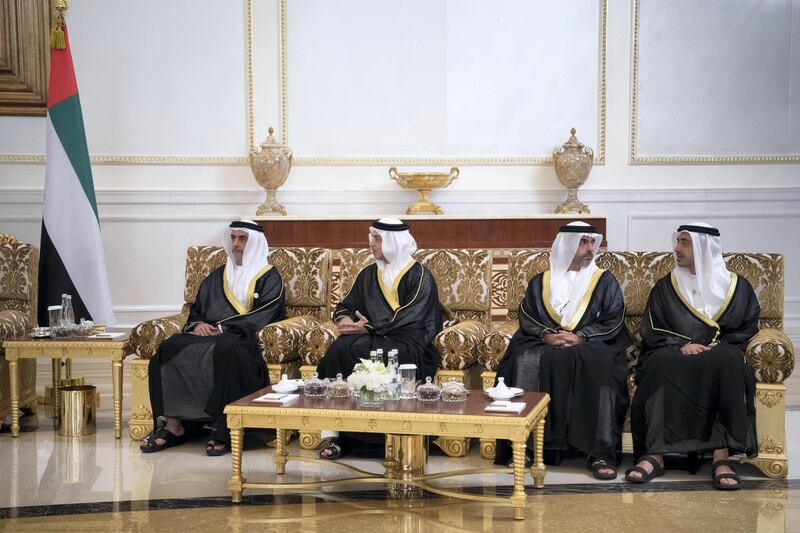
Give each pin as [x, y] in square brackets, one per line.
[695, 403]
[586, 383]
[405, 317]
[238, 367]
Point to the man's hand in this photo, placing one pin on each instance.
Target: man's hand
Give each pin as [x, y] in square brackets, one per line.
[563, 339]
[348, 327]
[205, 330]
[693, 349]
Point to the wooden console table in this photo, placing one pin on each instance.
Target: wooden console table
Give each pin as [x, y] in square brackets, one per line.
[430, 231]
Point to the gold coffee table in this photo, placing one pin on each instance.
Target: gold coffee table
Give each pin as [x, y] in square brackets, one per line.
[114, 350]
[406, 423]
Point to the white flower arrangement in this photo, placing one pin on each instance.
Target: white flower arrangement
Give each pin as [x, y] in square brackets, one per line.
[369, 375]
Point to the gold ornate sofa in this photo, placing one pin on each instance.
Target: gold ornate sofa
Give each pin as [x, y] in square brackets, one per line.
[314, 280]
[19, 282]
[306, 279]
[770, 352]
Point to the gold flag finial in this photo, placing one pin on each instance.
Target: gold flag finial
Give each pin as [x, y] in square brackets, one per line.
[57, 39]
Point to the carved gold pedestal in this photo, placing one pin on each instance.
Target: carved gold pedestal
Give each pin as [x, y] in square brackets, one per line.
[406, 456]
[771, 430]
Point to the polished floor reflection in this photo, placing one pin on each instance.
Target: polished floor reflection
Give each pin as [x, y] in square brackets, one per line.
[105, 484]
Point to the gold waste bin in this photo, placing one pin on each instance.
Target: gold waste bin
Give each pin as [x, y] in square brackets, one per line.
[77, 411]
[47, 399]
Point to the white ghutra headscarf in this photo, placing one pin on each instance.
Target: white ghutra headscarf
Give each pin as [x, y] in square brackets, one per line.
[254, 258]
[707, 288]
[567, 288]
[397, 245]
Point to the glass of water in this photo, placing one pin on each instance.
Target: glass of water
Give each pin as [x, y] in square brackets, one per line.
[408, 381]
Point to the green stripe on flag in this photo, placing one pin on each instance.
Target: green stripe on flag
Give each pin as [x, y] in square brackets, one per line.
[68, 122]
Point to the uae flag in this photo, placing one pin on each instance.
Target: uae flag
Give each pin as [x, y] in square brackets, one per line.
[72, 259]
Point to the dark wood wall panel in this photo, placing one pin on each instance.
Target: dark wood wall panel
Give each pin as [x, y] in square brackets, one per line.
[448, 232]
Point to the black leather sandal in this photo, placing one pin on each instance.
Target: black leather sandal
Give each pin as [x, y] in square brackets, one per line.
[334, 449]
[215, 448]
[169, 438]
[716, 478]
[658, 471]
[596, 466]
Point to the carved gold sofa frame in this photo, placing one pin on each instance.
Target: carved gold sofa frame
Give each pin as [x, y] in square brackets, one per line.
[481, 289]
[770, 352]
[19, 282]
[314, 280]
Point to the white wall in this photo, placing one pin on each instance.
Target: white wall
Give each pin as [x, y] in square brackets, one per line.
[151, 92]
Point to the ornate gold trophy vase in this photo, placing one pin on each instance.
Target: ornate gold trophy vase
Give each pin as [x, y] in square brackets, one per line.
[573, 162]
[270, 165]
[424, 183]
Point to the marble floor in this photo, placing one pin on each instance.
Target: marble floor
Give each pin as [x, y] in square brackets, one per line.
[99, 483]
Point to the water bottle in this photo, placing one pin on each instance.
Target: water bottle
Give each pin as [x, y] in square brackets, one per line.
[379, 353]
[392, 362]
[373, 356]
[69, 313]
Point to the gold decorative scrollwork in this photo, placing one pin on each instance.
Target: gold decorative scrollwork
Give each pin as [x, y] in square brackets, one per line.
[770, 445]
[309, 441]
[442, 427]
[337, 422]
[477, 428]
[488, 448]
[453, 447]
[406, 425]
[139, 372]
[372, 423]
[304, 421]
[141, 412]
[769, 398]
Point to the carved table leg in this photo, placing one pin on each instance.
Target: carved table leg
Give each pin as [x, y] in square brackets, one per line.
[13, 377]
[279, 458]
[538, 468]
[518, 497]
[236, 481]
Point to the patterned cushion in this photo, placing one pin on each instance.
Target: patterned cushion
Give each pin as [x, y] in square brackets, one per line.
[636, 273]
[523, 265]
[19, 271]
[463, 278]
[316, 342]
[305, 273]
[148, 336]
[765, 274]
[200, 262]
[13, 323]
[458, 344]
[350, 261]
[280, 341]
[493, 346]
[770, 353]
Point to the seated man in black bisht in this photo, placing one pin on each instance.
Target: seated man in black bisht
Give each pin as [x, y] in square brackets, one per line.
[215, 361]
[695, 390]
[393, 304]
[571, 344]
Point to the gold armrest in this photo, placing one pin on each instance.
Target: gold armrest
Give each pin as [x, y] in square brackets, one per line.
[771, 354]
[493, 346]
[317, 341]
[280, 341]
[148, 336]
[458, 344]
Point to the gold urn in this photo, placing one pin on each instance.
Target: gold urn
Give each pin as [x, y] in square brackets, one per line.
[573, 162]
[270, 165]
[424, 183]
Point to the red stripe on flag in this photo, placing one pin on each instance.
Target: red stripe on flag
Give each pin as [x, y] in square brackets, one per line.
[62, 75]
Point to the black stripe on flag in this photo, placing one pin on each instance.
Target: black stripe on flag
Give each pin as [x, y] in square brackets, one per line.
[54, 281]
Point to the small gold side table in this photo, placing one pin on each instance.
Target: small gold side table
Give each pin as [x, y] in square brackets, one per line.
[114, 350]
